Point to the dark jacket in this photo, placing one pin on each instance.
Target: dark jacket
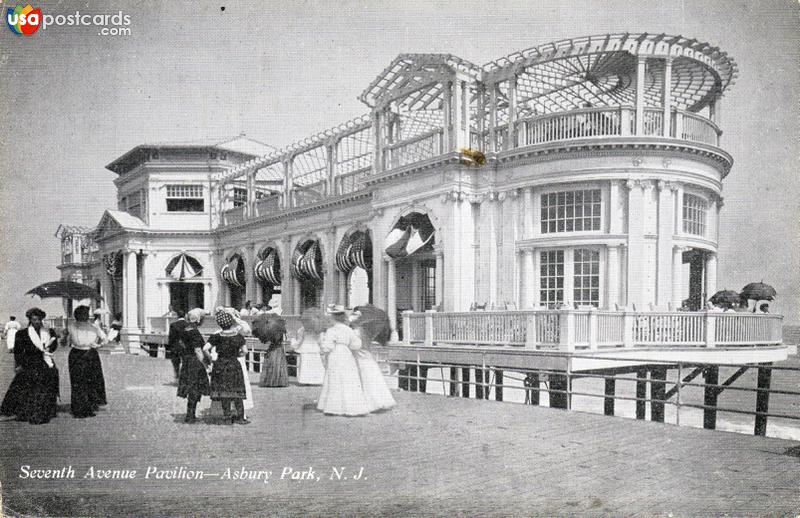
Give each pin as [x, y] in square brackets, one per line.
[26, 355]
[175, 338]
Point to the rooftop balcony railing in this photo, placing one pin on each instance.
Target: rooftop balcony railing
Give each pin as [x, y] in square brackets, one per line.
[571, 330]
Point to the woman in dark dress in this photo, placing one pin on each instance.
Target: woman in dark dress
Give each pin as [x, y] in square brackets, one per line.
[85, 369]
[227, 381]
[270, 329]
[33, 393]
[193, 379]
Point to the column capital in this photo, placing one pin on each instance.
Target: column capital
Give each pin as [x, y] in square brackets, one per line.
[477, 198]
[632, 184]
[675, 186]
[501, 196]
[680, 248]
[661, 185]
[527, 252]
[438, 250]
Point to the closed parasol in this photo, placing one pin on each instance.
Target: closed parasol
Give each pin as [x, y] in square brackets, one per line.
[65, 290]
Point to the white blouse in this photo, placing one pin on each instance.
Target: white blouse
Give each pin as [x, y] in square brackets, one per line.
[85, 336]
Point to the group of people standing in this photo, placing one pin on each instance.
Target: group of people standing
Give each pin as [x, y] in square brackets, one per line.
[34, 391]
[330, 353]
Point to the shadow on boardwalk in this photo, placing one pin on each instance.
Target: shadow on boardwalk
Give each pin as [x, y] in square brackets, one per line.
[429, 456]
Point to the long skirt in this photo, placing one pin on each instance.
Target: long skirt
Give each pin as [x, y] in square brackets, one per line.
[87, 382]
[341, 392]
[193, 378]
[374, 384]
[310, 370]
[227, 381]
[32, 395]
[274, 370]
[248, 390]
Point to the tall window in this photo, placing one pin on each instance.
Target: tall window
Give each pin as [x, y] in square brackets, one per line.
[185, 198]
[239, 196]
[429, 284]
[586, 277]
[694, 214]
[551, 276]
[571, 211]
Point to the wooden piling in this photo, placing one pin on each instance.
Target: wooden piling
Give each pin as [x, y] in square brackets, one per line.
[608, 402]
[711, 376]
[658, 388]
[465, 381]
[762, 399]
[498, 389]
[558, 391]
[641, 393]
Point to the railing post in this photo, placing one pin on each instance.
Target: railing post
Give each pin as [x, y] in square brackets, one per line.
[407, 327]
[593, 329]
[429, 326]
[628, 321]
[530, 331]
[678, 124]
[711, 324]
[625, 121]
[567, 330]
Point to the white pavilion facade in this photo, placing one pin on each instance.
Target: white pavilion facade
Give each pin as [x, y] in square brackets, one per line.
[584, 175]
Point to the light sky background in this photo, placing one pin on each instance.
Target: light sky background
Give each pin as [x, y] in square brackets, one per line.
[73, 101]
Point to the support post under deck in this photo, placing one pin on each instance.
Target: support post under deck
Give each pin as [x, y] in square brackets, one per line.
[641, 393]
[711, 376]
[558, 391]
[762, 399]
[498, 381]
[608, 401]
[532, 390]
[465, 382]
[658, 387]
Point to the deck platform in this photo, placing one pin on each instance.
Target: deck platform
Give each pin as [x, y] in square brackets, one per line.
[431, 455]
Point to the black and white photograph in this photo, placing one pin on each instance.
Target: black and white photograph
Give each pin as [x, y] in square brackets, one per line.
[400, 259]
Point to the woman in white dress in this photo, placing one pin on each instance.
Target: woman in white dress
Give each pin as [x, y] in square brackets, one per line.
[374, 384]
[310, 370]
[341, 393]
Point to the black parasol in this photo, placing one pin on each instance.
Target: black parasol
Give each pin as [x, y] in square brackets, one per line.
[64, 290]
[375, 323]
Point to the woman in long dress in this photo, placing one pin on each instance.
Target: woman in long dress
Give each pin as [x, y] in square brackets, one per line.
[227, 380]
[310, 370]
[193, 378]
[88, 387]
[374, 384]
[341, 392]
[33, 393]
[271, 329]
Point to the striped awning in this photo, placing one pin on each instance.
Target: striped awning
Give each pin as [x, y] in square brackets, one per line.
[233, 272]
[183, 267]
[354, 251]
[268, 269]
[307, 261]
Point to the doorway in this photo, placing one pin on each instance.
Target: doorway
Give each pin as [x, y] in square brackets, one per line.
[184, 296]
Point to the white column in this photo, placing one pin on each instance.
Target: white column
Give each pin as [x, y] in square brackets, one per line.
[439, 253]
[208, 300]
[250, 185]
[131, 293]
[391, 303]
[249, 273]
[636, 276]
[667, 95]
[677, 276]
[711, 275]
[377, 160]
[569, 277]
[447, 98]
[616, 217]
[415, 298]
[489, 209]
[511, 141]
[529, 217]
[287, 281]
[492, 118]
[666, 205]
[528, 274]
[640, 71]
[613, 284]
[537, 278]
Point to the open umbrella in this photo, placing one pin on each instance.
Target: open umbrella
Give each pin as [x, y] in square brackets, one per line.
[269, 328]
[758, 291]
[65, 290]
[725, 298]
[375, 323]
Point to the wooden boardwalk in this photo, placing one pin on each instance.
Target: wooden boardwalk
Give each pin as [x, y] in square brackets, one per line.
[430, 456]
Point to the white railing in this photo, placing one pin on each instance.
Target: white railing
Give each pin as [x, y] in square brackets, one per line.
[691, 126]
[160, 325]
[268, 204]
[417, 149]
[234, 215]
[591, 329]
[653, 122]
[350, 182]
[588, 122]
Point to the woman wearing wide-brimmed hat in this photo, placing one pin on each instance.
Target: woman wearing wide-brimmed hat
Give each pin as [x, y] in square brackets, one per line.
[341, 392]
[33, 393]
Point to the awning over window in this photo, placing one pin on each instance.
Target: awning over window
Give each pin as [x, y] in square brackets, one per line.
[355, 250]
[307, 261]
[412, 233]
[268, 269]
[183, 267]
[233, 272]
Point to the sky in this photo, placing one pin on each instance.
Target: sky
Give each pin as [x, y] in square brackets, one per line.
[73, 101]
